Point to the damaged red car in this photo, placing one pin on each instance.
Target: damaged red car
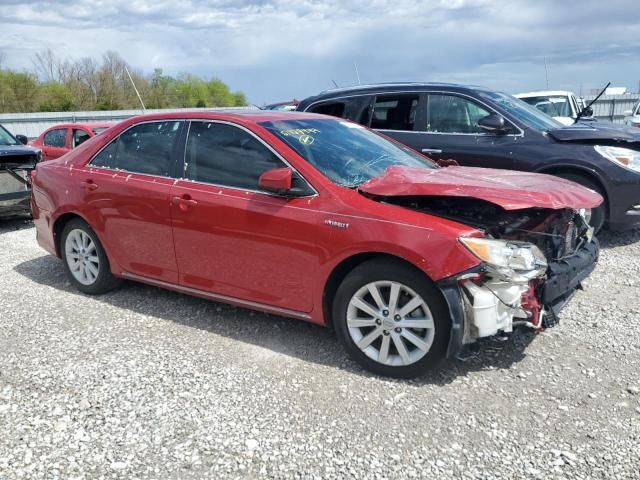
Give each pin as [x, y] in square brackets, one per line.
[322, 220]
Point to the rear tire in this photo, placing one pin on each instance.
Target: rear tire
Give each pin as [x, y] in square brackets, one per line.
[85, 260]
[599, 214]
[391, 319]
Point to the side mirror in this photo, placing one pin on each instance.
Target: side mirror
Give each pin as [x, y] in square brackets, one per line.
[22, 139]
[587, 112]
[627, 113]
[277, 180]
[493, 123]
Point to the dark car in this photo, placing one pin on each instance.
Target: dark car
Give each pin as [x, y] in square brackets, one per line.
[480, 127]
[16, 161]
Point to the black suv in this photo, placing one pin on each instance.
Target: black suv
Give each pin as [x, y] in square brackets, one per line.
[483, 128]
[16, 161]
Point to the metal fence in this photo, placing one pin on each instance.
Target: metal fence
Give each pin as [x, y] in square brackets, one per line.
[612, 107]
[33, 124]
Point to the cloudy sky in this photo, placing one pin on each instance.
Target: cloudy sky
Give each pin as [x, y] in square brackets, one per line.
[278, 49]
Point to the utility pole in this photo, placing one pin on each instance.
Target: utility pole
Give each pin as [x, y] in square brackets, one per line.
[357, 73]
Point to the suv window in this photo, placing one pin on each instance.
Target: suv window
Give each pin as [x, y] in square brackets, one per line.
[146, 148]
[394, 112]
[79, 137]
[335, 109]
[56, 138]
[453, 114]
[225, 155]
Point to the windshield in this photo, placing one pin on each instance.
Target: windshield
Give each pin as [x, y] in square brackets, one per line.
[554, 106]
[6, 138]
[530, 116]
[346, 153]
[98, 130]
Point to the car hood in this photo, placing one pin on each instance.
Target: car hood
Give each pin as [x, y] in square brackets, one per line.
[13, 154]
[508, 189]
[594, 131]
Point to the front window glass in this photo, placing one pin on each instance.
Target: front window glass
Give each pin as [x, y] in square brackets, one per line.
[225, 155]
[56, 138]
[454, 114]
[528, 115]
[6, 138]
[552, 105]
[335, 109]
[346, 153]
[79, 137]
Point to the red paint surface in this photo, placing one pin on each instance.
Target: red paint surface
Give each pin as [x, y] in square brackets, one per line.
[509, 189]
[251, 246]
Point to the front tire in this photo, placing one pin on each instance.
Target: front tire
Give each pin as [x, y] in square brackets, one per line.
[391, 319]
[85, 260]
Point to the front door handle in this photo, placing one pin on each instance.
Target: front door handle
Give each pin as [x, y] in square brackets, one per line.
[184, 203]
[88, 185]
[431, 150]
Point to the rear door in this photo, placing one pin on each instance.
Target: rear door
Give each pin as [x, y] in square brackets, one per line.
[126, 189]
[55, 143]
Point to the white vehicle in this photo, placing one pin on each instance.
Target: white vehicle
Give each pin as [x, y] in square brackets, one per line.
[561, 105]
[632, 117]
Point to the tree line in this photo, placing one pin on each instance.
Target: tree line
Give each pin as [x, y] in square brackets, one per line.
[62, 85]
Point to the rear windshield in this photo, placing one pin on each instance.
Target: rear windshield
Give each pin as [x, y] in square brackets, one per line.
[346, 153]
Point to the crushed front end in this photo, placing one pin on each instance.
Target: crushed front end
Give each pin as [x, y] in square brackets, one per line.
[533, 260]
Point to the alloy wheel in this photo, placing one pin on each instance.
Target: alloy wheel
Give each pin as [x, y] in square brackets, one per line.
[390, 323]
[82, 257]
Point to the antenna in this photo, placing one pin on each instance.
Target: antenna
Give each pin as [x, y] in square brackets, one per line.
[357, 73]
[136, 90]
[546, 72]
[334, 82]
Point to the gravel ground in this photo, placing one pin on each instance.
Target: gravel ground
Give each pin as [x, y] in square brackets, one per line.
[145, 383]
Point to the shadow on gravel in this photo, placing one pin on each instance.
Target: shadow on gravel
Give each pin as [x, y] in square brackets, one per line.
[11, 224]
[289, 337]
[618, 239]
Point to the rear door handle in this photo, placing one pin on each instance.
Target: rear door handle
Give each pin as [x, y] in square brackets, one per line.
[184, 203]
[431, 150]
[89, 185]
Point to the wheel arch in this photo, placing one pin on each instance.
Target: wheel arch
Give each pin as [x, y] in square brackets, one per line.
[342, 269]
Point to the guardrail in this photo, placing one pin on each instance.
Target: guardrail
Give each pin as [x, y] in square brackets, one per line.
[612, 107]
[33, 124]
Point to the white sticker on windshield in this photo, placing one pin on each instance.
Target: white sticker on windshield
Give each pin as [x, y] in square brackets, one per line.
[351, 125]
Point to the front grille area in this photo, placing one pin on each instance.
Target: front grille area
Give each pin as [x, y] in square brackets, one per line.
[18, 161]
[562, 236]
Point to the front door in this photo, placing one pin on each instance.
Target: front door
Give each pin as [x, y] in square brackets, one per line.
[55, 143]
[126, 189]
[233, 239]
[449, 130]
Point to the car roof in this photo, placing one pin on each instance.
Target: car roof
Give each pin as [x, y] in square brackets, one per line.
[242, 116]
[84, 124]
[388, 87]
[544, 93]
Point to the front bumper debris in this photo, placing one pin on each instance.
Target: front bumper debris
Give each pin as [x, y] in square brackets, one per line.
[482, 306]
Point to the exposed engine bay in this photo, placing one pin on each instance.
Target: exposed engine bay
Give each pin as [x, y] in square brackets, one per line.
[502, 295]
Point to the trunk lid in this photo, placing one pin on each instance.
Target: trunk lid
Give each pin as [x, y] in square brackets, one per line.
[508, 189]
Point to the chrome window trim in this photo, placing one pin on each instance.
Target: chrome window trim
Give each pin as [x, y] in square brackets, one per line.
[265, 144]
[108, 169]
[426, 92]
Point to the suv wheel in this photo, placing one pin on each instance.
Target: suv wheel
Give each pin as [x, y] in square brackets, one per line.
[391, 319]
[85, 260]
[599, 214]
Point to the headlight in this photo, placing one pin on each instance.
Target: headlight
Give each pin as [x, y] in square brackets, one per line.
[508, 257]
[622, 156]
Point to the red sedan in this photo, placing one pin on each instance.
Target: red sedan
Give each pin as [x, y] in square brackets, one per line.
[319, 219]
[56, 141]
